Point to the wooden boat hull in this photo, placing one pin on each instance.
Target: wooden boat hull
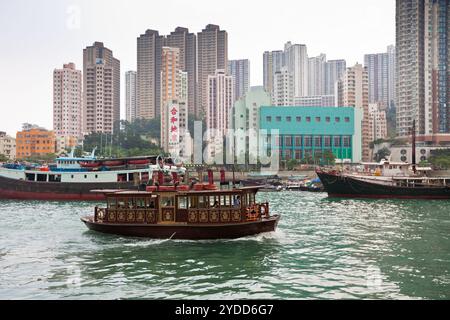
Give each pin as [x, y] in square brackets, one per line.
[56, 191]
[347, 187]
[184, 231]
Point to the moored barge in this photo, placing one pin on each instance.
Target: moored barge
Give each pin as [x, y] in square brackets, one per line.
[73, 178]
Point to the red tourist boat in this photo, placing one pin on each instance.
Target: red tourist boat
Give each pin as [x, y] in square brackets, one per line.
[183, 212]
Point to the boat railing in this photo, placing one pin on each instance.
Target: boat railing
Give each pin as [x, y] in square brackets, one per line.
[126, 215]
[215, 215]
[254, 212]
[257, 211]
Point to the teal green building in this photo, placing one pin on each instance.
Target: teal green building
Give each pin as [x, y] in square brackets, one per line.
[311, 131]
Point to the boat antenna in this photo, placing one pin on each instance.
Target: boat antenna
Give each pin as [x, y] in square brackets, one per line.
[414, 146]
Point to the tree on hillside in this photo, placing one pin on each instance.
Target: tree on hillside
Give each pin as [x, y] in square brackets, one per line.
[133, 139]
[440, 158]
[383, 153]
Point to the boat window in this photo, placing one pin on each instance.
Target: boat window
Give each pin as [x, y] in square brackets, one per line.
[139, 203]
[214, 202]
[251, 197]
[131, 203]
[41, 177]
[122, 177]
[237, 201]
[30, 176]
[225, 201]
[244, 200]
[182, 202]
[54, 178]
[122, 203]
[192, 202]
[203, 201]
[151, 203]
[112, 203]
[167, 201]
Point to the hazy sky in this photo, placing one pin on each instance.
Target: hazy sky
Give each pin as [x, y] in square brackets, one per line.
[39, 36]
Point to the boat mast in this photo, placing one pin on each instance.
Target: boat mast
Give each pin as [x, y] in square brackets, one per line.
[414, 146]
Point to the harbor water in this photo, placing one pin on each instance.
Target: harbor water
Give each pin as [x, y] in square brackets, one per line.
[323, 249]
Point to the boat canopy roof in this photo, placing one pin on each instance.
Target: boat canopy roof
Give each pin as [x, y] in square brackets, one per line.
[117, 193]
[75, 159]
[385, 163]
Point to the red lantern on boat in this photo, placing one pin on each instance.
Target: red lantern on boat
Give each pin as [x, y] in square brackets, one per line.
[175, 177]
[210, 177]
[160, 178]
[222, 175]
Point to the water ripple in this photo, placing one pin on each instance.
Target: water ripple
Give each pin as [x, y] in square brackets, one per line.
[323, 249]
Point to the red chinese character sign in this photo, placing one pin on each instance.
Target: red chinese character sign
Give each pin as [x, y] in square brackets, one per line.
[174, 129]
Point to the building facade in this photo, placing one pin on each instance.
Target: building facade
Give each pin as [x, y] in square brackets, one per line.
[315, 101]
[220, 103]
[377, 122]
[67, 102]
[245, 118]
[381, 72]
[283, 88]
[273, 61]
[334, 70]
[34, 142]
[316, 75]
[296, 58]
[101, 85]
[240, 71]
[212, 46]
[130, 96]
[187, 43]
[353, 91]
[312, 132]
[422, 60]
[65, 143]
[7, 146]
[170, 71]
[149, 55]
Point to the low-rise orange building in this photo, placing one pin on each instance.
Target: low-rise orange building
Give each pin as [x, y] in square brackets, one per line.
[34, 142]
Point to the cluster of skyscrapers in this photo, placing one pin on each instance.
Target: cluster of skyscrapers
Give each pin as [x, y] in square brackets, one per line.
[186, 74]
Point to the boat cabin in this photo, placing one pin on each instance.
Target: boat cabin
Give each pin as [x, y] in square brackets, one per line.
[182, 207]
[387, 168]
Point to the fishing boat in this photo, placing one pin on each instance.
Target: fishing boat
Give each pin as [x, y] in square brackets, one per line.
[389, 180]
[72, 178]
[200, 211]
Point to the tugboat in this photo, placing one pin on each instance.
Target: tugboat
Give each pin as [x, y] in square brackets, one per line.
[390, 180]
[194, 212]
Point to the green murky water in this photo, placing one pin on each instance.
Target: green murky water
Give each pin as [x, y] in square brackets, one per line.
[323, 249]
